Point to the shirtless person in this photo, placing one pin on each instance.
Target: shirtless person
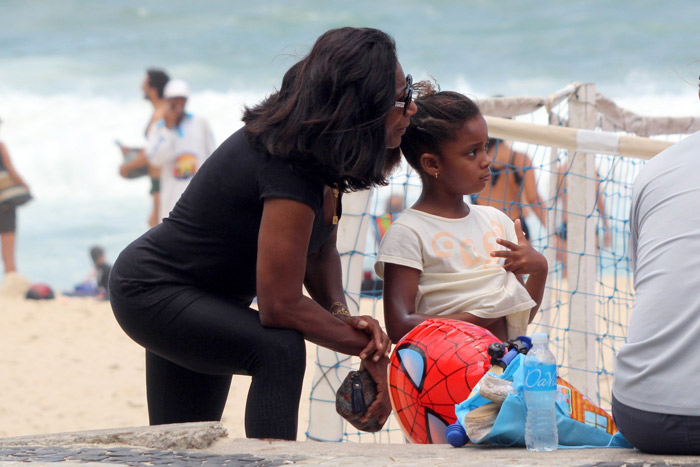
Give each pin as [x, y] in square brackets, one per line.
[512, 188]
[560, 232]
[153, 87]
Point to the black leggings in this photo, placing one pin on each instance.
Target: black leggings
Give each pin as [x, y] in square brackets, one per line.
[194, 343]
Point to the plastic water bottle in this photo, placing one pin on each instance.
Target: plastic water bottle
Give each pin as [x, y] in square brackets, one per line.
[540, 393]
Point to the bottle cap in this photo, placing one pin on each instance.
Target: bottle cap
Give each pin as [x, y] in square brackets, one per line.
[539, 338]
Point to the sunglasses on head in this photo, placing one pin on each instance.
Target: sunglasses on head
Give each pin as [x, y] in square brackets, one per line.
[405, 104]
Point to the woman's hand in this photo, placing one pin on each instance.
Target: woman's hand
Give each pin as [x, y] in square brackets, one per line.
[379, 345]
[381, 407]
[521, 258]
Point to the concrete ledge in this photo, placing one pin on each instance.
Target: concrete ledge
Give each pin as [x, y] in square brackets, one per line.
[207, 443]
[199, 435]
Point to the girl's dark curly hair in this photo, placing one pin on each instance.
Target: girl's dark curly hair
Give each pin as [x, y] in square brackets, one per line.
[440, 115]
[329, 115]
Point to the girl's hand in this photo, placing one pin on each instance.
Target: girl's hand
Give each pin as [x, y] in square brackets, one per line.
[521, 258]
[379, 345]
[381, 407]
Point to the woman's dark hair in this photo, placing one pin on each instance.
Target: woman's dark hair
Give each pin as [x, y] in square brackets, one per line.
[157, 79]
[329, 114]
[440, 115]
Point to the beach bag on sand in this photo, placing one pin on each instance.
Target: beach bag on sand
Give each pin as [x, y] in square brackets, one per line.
[12, 194]
[580, 423]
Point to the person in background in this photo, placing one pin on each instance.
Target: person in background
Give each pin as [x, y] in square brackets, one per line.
[178, 144]
[8, 214]
[259, 220]
[443, 258]
[654, 402]
[394, 206]
[97, 282]
[370, 285]
[513, 188]
[102, 270]
[153, 87]
[561, 215]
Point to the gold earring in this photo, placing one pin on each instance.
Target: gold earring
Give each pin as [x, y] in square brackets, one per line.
[436, 175]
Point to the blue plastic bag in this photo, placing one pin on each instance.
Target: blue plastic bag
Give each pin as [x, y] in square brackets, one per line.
[509, 427]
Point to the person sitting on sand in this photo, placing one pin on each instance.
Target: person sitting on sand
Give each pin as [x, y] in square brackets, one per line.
[97, 283]
[102, 270]
[443, 258]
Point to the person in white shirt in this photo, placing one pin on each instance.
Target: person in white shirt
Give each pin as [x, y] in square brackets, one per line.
[178, 145]
[443, 258]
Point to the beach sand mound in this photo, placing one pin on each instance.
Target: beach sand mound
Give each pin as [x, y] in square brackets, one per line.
[14, 285]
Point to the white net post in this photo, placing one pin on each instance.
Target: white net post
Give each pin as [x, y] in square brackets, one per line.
[582, 188]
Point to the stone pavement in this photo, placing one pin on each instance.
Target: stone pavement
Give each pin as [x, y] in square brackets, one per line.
[207, 444]
[77, 455]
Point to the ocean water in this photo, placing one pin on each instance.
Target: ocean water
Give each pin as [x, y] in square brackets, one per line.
[72, 72]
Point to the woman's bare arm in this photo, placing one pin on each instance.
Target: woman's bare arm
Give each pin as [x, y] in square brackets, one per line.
[323, 281]
[283, 240]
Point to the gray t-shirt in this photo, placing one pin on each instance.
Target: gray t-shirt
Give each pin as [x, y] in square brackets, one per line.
[658, 369]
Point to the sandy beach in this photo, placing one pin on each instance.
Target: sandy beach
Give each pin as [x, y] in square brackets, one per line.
[66, 365]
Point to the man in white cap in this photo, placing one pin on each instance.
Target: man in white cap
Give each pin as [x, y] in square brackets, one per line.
[178, 144]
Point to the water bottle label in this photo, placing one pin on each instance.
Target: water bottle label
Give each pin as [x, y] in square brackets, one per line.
[541, 377]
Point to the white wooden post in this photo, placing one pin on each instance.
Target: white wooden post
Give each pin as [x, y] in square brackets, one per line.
[581, 270]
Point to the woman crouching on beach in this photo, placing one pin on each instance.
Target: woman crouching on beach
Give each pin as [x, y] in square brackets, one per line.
[259, 220]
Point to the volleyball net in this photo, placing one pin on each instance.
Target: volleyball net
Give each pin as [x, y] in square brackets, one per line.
[583, 153]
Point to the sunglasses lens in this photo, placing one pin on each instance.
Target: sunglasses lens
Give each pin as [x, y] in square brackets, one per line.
[409, 93]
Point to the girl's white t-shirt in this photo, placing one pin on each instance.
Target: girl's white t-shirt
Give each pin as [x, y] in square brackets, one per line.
[458, 273]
